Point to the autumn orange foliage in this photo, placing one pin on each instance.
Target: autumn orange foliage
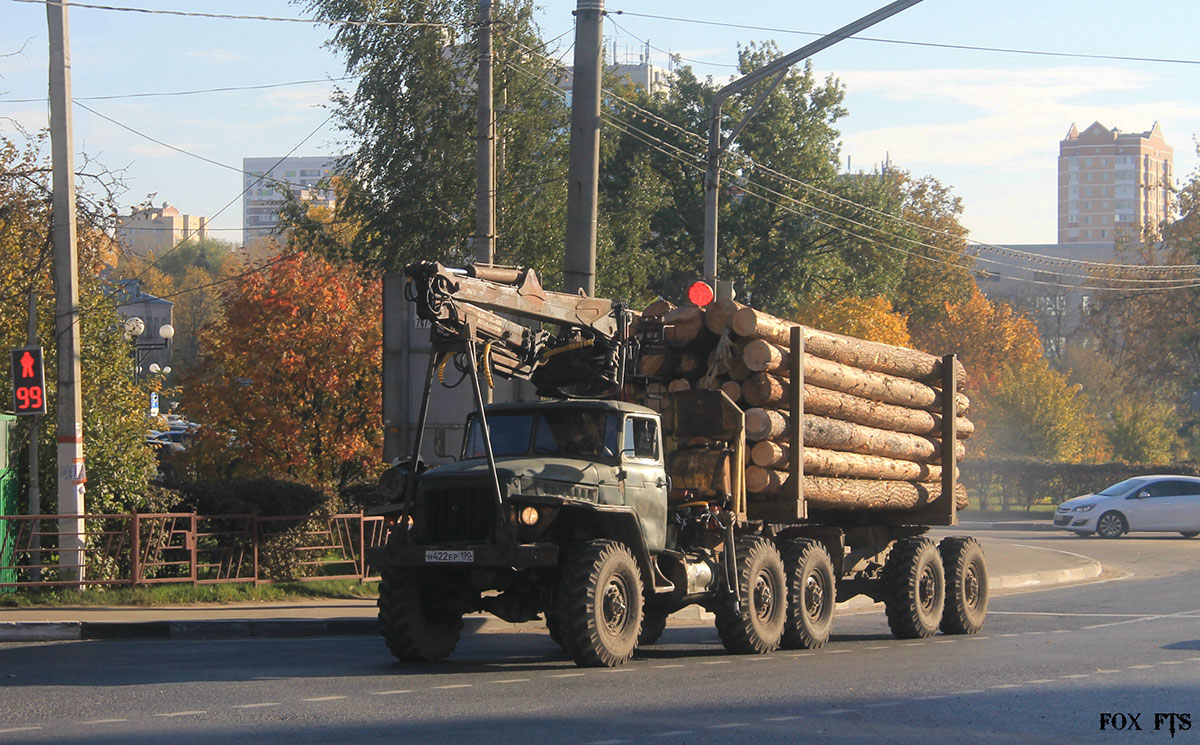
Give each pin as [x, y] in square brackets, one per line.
[286, 383]
[867, 318]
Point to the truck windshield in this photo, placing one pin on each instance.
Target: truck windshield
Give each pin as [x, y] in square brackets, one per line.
[557, 432]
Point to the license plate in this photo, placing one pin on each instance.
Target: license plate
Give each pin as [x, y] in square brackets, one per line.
[449, 557]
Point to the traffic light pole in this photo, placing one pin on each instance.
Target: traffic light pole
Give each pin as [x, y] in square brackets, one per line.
[35, 436]
[68, 401]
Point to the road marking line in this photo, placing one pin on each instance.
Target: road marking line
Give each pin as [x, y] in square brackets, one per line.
[966, 693]
[511, 680]
[716, 662]
[452, 685]
[1171, 662]
[324, 698]
[783, 719]
[1064, 615]
[1006, 636]
[803, 654]
[389, 693]
[664, 667]
[881, 646]
[883, 703]
[834, 711]
[1034, 633]
[1107, 672]
[606, 742]
[1194, 659]
[1076, 675]
[1061, 631]
[760, 658]
[673, 733]
[19, 729]
[912, 644]
[1007, 685]
[944, 641]
[973, 638]
[1141, 619]
[103, 721]
[574, 675]
[1039, 681]
[620, 670]
[180, 713]
[929, 698]
[254, 706]
[729, 725]
[837, 651]
[1140, 667]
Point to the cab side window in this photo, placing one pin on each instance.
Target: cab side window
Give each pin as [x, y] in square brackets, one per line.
[641, 438]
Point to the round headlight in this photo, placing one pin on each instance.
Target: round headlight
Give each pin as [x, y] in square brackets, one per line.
[529, 516]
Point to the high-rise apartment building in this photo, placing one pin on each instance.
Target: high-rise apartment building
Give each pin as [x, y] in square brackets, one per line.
[266, 178]
[1112, 183]
[158, 229]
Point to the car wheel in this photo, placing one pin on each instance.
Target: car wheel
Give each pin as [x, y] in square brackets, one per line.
[1111, 525]
[1189, 533]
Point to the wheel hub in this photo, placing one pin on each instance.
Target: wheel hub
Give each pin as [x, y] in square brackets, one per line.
[814, 597]
[615, 606]
[927, 589]
[764, 597]
[971, 587]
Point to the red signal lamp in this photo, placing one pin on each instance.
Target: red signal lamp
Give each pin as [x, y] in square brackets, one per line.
[700, 294]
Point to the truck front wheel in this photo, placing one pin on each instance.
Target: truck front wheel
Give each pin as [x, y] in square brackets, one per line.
[598, 607]
[915, 588]
[755, 625]
[811, 594]
[417, 623]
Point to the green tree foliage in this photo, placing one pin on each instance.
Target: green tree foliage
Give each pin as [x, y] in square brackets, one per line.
[1143, 432]
[119, 465]
[411, 126]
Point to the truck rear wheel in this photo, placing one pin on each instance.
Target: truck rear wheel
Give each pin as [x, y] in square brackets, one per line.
[915, 588]
[416, 622]
[755, 626]
[966, 585]
[598, 606]
[811, 594]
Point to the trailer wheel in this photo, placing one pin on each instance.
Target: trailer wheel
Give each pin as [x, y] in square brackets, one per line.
[654, 623]
[756, 625]
[417, 623]
[966, 585]
[599, 604]
[811, 594]
[915, 588]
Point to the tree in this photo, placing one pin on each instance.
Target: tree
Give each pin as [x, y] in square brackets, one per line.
[287, 379]
[411, 124]
[119, 464]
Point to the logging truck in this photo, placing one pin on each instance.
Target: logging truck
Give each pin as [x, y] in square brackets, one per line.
[705, 454]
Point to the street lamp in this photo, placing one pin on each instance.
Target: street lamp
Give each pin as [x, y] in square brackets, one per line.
[135, 328]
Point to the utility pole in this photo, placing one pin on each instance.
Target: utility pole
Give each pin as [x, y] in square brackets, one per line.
[778, 68]
[583, 174]
[485, 164]
[35, 434]
[68, 403]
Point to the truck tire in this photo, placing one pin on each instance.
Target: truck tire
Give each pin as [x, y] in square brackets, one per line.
[599, 604]
[654, 623]
[966, 585]
[811, 594]
[416, 623]
[914, 585]
[756, 625]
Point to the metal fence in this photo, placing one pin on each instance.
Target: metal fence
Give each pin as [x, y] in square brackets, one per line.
[143, 549]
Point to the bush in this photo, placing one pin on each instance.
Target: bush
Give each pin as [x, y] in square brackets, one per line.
[262, 497]
[1023, 482]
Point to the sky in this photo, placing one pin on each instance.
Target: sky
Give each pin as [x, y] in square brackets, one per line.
[986, 123]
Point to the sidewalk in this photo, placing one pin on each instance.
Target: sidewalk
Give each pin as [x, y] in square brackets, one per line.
[1011, 566]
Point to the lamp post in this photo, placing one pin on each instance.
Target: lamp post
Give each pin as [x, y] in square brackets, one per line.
[135, 328]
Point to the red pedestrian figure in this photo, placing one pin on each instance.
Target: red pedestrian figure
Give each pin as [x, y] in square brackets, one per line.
[27, 365]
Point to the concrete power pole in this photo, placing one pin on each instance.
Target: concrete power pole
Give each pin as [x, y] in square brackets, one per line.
[35, 436]
[68, 403]
[583, 175]
[485, 165]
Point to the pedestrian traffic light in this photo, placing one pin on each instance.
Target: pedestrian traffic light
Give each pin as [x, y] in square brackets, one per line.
[29, 381]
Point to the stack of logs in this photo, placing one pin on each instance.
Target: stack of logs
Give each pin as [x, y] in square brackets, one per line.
[871, 411]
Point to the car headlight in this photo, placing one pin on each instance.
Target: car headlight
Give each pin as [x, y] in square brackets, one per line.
[1083, 508]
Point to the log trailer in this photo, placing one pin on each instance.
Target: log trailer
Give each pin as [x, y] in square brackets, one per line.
[603, 516]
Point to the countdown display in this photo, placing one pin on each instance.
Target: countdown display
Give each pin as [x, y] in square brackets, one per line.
[29, 381]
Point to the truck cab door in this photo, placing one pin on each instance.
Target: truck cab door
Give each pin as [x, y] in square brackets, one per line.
[645, 478]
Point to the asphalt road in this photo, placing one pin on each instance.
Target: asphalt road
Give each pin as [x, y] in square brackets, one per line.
[1048, 665]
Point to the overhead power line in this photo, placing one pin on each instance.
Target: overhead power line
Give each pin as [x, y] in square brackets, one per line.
[234, 17]
[936, 45]
[223, 89]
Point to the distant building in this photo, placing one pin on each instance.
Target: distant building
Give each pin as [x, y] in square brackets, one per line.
[266, 178]
[158, 229]
[1112, 183]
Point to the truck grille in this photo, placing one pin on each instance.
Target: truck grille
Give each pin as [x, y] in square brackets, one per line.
[458, 514]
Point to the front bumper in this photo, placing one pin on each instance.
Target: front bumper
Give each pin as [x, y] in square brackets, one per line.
[1075, 521]
[514, 556]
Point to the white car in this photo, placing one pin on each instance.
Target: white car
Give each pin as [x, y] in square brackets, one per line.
[1144, 503]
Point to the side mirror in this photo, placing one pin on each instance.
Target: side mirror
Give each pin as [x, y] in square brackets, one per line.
[1143, 494]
